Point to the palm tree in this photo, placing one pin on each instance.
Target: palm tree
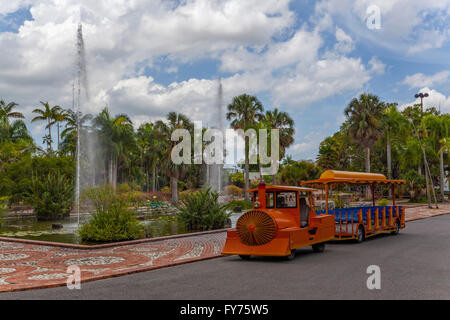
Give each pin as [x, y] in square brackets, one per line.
[174, 121]
[47, 113]
[283, 122]
[15, 131]
[150, 143]
[243, 112]
[365, 127]
[437, 128]
[116, 135]
[69, 135]
[445, 143]
[18, 131]
[59, 116]
[395, 126]
[6, 111]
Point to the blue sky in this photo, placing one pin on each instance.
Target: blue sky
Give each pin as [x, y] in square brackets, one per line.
[147, 58]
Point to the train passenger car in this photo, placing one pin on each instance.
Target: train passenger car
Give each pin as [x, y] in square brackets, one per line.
[361, 222]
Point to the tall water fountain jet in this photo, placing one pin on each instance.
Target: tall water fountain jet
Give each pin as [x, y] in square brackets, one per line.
[80, 97]
[215, 171]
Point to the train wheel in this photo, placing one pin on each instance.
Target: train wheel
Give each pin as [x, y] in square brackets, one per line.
[361, 235]
[292, 255]
[397, 228]
[244, 257]
[319, 247]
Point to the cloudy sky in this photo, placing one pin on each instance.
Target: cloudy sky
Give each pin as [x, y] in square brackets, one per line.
[149, 57]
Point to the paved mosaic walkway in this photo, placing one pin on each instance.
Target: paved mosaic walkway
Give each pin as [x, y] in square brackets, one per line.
[422, 211]
[26, 266]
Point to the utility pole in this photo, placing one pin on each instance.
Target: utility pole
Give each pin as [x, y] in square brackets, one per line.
[428, 178]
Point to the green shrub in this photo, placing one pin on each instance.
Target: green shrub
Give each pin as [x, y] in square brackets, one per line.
[237, 179]
[51, 197]
[232, 190]
[123, 188]
[202, 211]
[116, 224]
[245, 205]
[3, 204]
[383, 202]
[184, 193]
[338, 202]
[415, 183]
[166, 190]
[112, 220]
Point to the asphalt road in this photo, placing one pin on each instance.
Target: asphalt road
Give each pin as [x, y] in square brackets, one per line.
[414, 265]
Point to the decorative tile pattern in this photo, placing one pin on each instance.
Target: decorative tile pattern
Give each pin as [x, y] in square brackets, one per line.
[28, 266]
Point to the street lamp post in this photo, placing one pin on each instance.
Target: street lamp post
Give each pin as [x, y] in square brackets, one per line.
[421, 96]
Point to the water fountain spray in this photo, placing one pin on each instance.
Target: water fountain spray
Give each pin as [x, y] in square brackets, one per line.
[220, 122]
[80, 84]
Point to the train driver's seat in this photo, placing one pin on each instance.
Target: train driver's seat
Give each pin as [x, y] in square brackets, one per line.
[304, 213]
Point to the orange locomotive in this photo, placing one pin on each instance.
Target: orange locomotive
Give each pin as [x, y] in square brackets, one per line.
[282, 220]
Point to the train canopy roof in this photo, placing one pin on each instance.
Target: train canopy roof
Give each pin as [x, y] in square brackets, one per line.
[348, 177]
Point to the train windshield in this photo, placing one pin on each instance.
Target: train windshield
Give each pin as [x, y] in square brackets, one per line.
[286, 199]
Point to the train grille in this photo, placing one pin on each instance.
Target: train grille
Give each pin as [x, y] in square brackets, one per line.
[255, 228]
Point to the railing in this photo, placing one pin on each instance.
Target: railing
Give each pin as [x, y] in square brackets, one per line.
[374, 219]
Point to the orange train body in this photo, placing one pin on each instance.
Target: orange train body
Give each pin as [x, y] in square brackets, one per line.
[282, 220]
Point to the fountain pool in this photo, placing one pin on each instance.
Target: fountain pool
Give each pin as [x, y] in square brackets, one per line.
[31, 229]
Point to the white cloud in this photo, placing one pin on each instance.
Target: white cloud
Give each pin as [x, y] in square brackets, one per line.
[420, 80]
[429, 39]
[38, 62]
[407, 26]
[376, 66]
[12, 6]
[344, 43]
[321, 79]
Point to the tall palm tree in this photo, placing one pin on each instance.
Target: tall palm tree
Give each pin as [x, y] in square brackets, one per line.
[15, 131]
[174, 121]
[116, 135]
[59, 116]
[395, 126]
[150, 143]
[364, 126]
[47, 113]
[243, 112]
[437, 128]
[283, 122]
[6, 111]
[69, 135]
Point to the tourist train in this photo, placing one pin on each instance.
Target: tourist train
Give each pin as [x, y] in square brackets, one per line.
[285, 218]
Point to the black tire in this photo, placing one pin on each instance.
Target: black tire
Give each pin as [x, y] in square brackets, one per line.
[397, 228]
[319, 247]
[244, 257]
[360, 235]
[291, 256]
